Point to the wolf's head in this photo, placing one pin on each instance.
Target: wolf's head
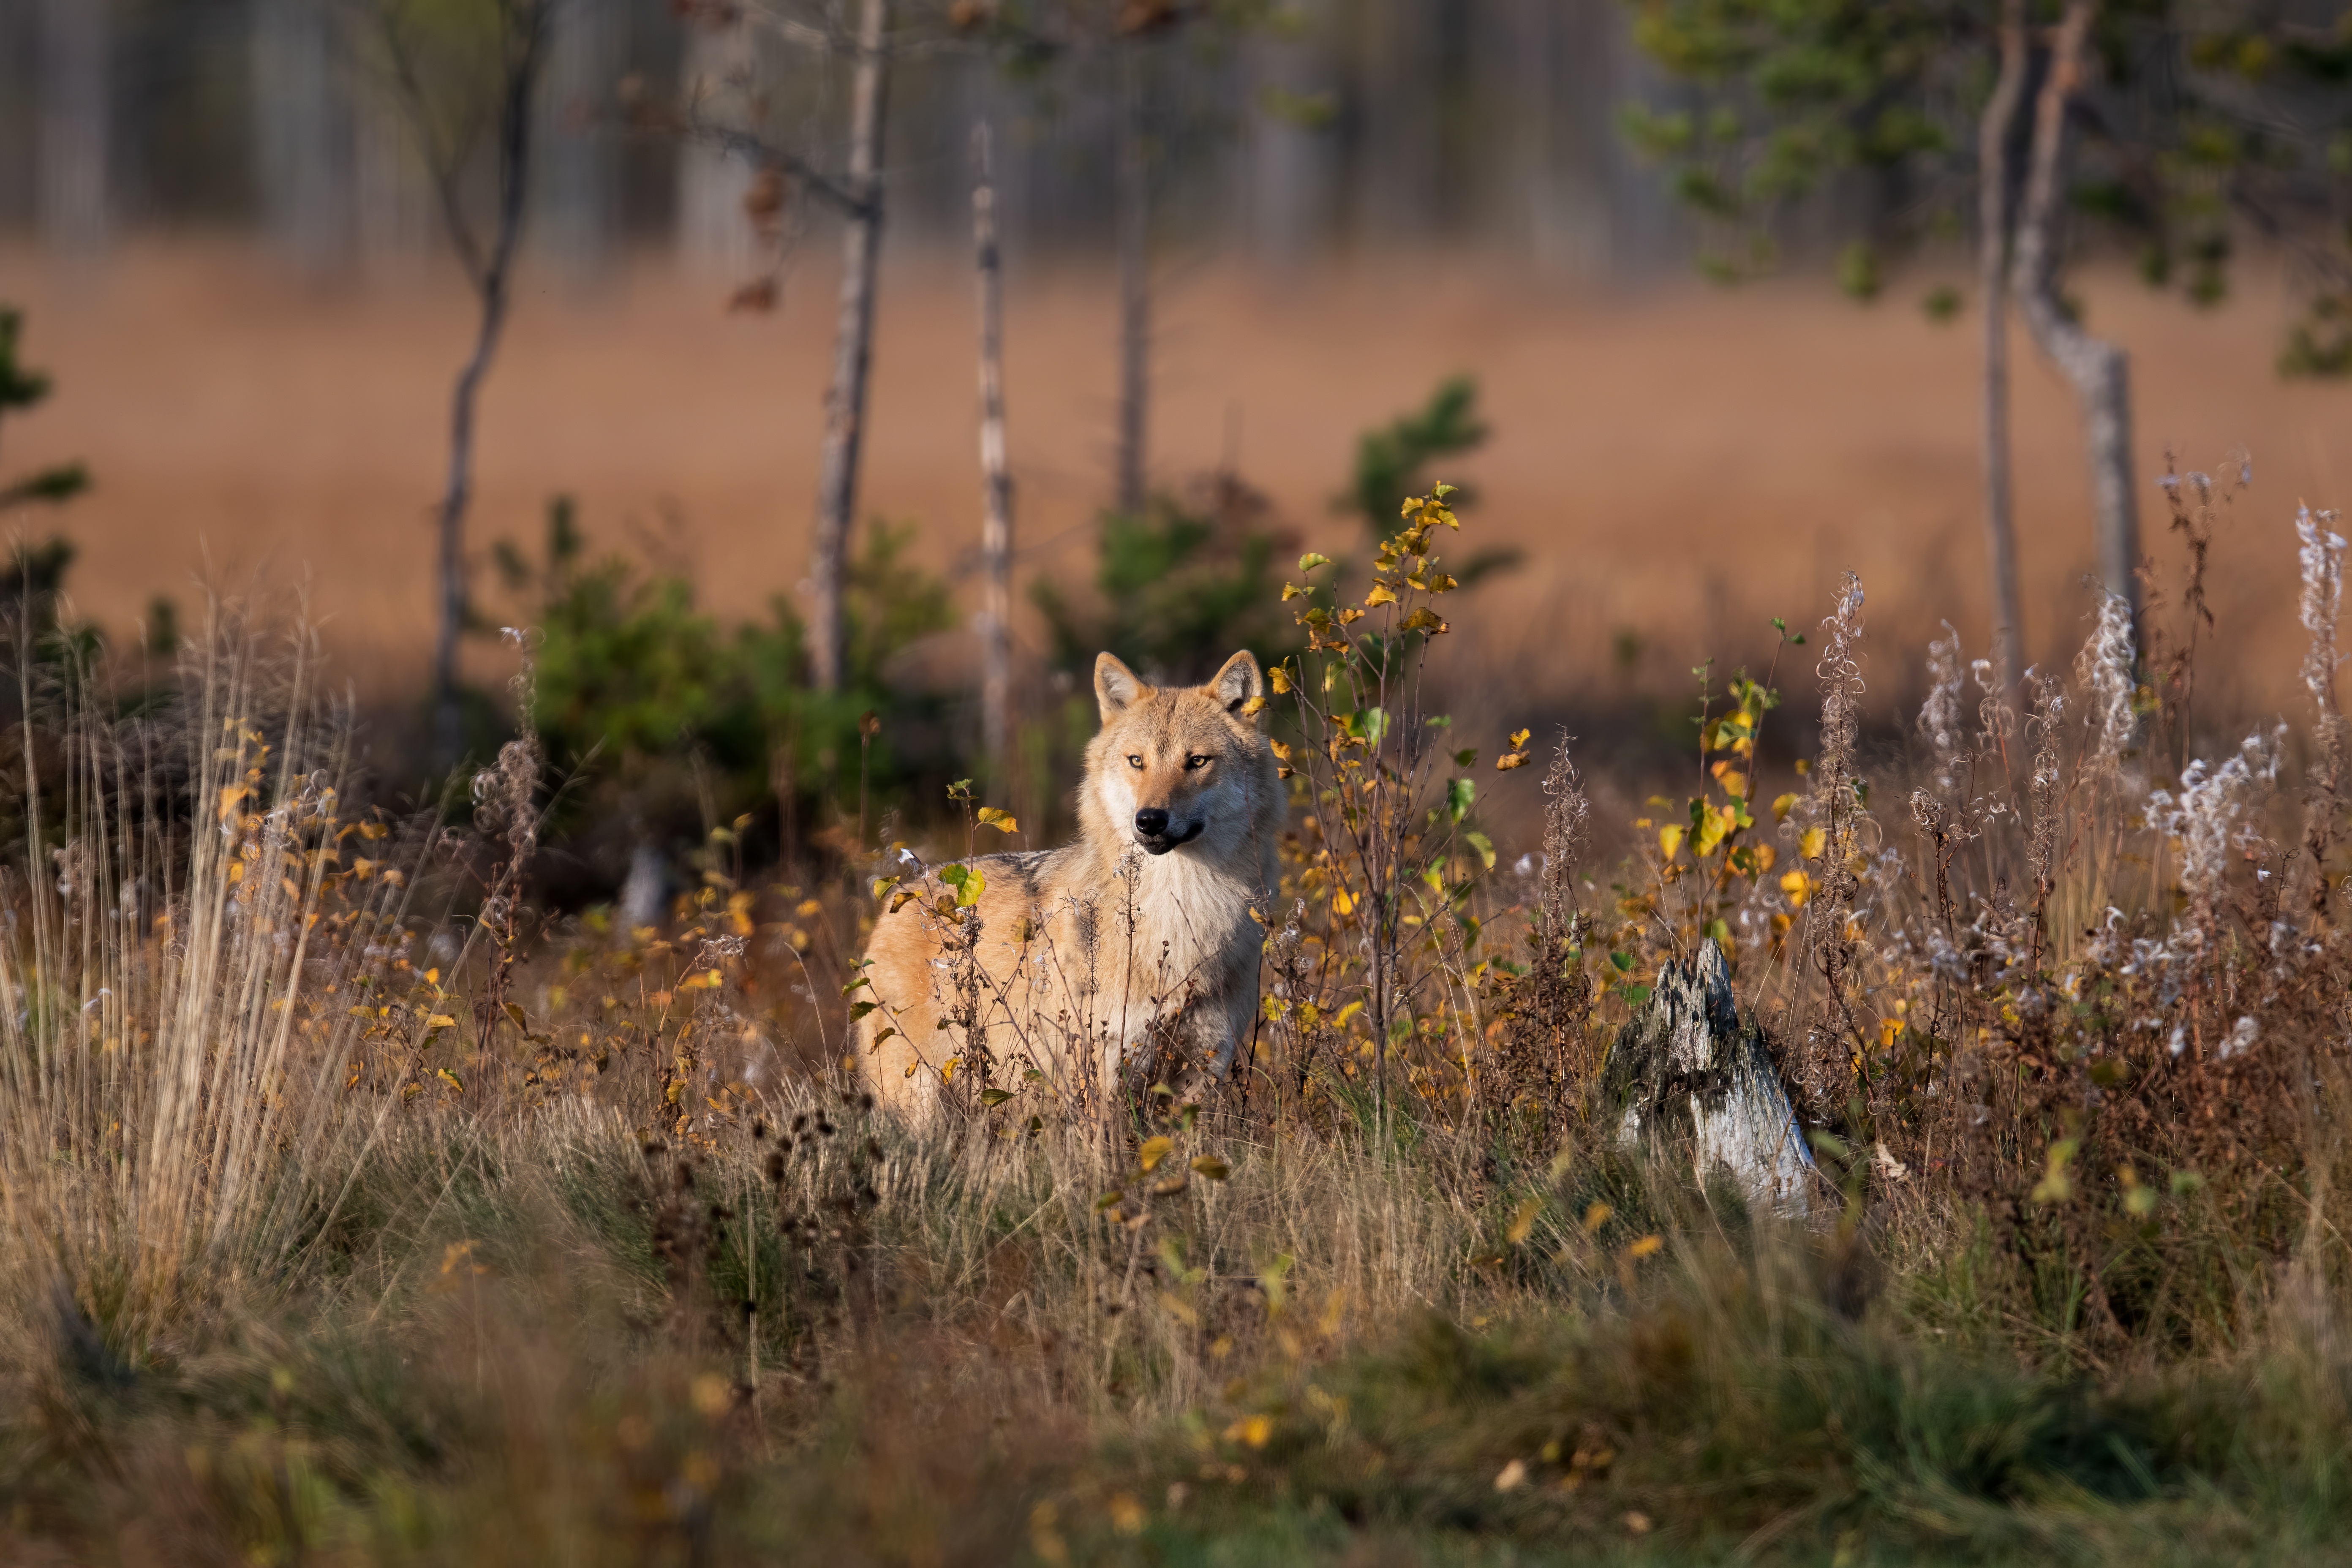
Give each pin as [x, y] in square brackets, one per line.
[1178, 764]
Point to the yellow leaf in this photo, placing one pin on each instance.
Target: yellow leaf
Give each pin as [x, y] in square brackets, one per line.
[947, 1069]
[1278, 677]
[230, 795]
[1810, 845]
[1781, 807]
[1341, 903]
[1002, 821]
[1736, 785]
[1519, 737]
[1510, 760]
[1649, 1246]
[1595, 1217]
[1127, 1515]
[1212, 1167]
[1154, 1150]
[1523, 1223]
[1382, 594]
[1253, 707]
[1669, 840]
[446, 1075]
[1255, 1430]
[1798, 886]
[440, 1021]
[1711, 829]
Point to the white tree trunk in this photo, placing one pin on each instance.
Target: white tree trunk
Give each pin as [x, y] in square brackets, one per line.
[302, 136]
[578, 194]
[1686, 1074]
[1993, 187]
[853, 350]
[714, 233]
[75, 85]
[2099, 371]
[1133, 202]
[1287, 174]
[996, 475]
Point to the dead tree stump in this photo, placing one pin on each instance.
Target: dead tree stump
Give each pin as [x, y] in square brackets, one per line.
[1687, 1075]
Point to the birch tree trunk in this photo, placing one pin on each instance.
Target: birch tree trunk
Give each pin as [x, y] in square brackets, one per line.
[1134, 219]
[302, 136]
[1992, 272]
[577, 194]
[996, 478]
[853, 349]
[75, 111]
[714, 233]
[2099, 371]
[1284, 173]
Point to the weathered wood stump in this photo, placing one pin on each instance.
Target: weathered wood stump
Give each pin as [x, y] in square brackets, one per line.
[1687, 1074]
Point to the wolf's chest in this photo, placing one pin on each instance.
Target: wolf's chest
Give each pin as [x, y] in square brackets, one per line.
[1177, 917]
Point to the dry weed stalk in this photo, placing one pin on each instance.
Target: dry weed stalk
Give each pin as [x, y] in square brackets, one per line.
[1833, 811]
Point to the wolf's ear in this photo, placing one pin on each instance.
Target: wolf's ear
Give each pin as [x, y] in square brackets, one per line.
[1239, 681]
[1115, 686]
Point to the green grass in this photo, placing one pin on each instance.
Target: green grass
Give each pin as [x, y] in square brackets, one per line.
[501, 1351]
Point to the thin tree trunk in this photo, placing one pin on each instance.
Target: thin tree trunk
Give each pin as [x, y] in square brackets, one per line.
[714, 233]
[492, 277]
[996, 478]
[2099, 371]
[1134, 200]
[75, 118]
[301, 136]
[853, 350]
[577, 191]
[1992, 270]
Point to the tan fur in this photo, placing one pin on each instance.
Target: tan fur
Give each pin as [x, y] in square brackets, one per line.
[1075, 961]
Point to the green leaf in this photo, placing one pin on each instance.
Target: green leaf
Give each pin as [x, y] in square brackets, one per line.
[1465, 759]
[1624, 961]
[860, 1009]
[1459, 794]
[1484, 844]
[1311, 560]
[995, 1096]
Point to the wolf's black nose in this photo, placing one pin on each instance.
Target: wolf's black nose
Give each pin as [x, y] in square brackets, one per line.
[1151, 822]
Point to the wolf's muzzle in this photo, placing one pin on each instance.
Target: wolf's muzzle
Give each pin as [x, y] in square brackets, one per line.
[1152, 831]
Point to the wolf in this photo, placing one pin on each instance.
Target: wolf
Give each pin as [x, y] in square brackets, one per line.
[1079, 963]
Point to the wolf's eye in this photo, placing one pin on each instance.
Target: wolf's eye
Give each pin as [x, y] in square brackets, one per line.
[1196, 761]
[1134, 761]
